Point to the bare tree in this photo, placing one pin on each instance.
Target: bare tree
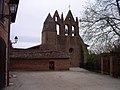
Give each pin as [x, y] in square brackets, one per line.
[101, 24]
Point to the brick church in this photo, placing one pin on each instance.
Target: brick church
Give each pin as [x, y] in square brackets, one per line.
[61, 47]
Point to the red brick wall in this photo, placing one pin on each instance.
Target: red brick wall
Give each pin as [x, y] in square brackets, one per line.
[109, 63]
[4, 28]
[74, 43]
[29, 65]
[113, 66]
[62, 64]
[16, 64]
[105, 64]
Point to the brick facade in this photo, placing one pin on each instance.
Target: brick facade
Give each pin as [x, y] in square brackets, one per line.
[5, 20]
[4, 29]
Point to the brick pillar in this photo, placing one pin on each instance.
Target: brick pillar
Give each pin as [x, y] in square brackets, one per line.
[113, 66]
[104, 64]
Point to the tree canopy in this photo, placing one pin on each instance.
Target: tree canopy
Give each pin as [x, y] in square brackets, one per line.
[101, 25]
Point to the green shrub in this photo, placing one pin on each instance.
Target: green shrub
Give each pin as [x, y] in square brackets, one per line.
[93, 62]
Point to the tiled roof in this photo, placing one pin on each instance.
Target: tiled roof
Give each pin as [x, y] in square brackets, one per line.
[37, 54]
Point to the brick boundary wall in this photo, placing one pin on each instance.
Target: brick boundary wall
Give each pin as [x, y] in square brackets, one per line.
[109, 62]
[38, 65]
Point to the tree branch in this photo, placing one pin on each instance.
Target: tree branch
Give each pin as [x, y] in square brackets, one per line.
[113, 27]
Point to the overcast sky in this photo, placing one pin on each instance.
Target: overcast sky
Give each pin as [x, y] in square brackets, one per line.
[32, 14]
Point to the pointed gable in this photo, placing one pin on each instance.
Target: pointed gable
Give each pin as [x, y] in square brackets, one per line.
[49, 19]
[49, 24]
[56, 16]
[69, 16]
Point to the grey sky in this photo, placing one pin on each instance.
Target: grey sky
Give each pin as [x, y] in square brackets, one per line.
[32, 14]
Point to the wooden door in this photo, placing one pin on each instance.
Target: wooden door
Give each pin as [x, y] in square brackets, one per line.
[51, 65]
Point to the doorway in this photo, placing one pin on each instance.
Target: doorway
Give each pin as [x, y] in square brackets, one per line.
[2, 63]
[51, 65]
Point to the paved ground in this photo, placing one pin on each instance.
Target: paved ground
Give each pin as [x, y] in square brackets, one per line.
[75, 79]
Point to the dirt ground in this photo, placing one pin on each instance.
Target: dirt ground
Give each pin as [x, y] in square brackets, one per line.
[75, 79]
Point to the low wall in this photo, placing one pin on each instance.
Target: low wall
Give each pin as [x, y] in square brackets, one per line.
[109, 64]
[62, 65]
[32, 65]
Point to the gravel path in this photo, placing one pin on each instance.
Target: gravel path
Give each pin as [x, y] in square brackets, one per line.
[75, 79]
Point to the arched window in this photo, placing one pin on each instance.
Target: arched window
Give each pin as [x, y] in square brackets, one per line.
[66, 30]
[58, 29]
[73, 30]
[56, 18]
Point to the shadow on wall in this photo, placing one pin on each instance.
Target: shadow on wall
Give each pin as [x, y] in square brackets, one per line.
[2, 63]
